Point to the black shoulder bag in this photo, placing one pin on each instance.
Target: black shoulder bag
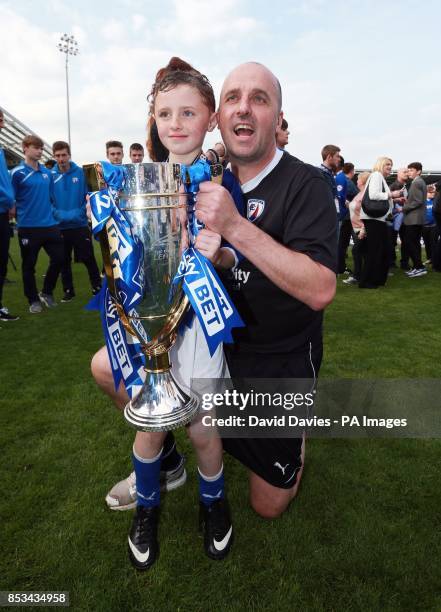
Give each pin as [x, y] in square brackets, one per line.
[374, 208]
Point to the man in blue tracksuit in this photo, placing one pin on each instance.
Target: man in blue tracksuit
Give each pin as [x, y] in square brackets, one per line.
[6, 205]
[37, 227]
[70, 211]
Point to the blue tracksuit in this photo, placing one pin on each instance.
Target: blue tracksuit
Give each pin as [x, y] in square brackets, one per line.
[341, 182]
[6, 191]
[70, 197]
[34, 195]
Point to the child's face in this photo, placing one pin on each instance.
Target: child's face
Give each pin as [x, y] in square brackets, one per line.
[183, 119]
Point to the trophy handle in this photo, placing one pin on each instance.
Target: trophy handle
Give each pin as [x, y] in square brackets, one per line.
[105, 251]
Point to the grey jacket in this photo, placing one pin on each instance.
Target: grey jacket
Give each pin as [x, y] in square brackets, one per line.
[415, 207]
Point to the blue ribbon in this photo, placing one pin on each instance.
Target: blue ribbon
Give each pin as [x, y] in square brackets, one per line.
[124, 349]
[201, 284]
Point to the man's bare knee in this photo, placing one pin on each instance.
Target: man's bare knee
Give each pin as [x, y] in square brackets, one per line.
[268, 501]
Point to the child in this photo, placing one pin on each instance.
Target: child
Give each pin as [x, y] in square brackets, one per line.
[183, 108]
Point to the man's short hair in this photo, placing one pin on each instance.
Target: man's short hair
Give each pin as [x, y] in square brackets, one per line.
[33, 140]
[416, 166]
[113, 143]
[329, 150]
[59, 145]
[348, 167]
[136, 146]
[284, 125]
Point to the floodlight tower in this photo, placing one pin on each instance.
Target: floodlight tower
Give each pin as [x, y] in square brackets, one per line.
[69, 46]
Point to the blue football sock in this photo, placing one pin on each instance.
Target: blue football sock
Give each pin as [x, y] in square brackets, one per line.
[147, 479]
[211, 488]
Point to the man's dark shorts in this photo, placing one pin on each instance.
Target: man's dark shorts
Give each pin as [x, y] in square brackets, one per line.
[276, 460]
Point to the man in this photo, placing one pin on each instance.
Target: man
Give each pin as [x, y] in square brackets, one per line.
[136, 153]
[37, 227]
[287, 275]
[6, 211]
[330, 164]
[282, 134]
[114, 152]
[398, 227]
[345, 189]
[70, 211]
[414, 216]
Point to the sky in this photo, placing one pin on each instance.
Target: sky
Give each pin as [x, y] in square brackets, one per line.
[364, 75]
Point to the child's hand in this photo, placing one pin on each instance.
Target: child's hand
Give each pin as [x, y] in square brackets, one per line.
[208, 243]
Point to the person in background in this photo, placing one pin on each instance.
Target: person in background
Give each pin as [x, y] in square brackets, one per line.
[329, 167]
[358, 231]
[282, 134]
[50, 163]
[345, 189]
[376, 262]
[70, 211]
[136, 153]
[414, 211]
[114, 152]
[398, 228]
[430, 230]
[436, 210]
[6, 212]
[37, 227]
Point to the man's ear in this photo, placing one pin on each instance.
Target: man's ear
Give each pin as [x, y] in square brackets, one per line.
[212, 122]
[280, 119]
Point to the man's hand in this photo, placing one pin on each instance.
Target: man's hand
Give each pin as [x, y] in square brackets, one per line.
[216, 208]
[208, 243]
[88, 209]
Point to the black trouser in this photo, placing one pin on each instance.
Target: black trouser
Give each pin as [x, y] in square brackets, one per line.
[376, 263]
[436, 258]
[430, 236]
[5, 235]
[413, 244]
[79, 240]
[404, 261]
[344, 239]
[392, 240]
[31, 240]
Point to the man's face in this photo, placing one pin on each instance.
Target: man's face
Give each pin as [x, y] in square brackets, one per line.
[402, 175]
[115, 155]
[282, 137]
[333, 161]
[136, 156]
[249, 113]
[33, 153]
[413, 173]
[62, 158]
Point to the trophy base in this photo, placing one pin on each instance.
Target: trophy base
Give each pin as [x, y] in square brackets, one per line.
[161, 405]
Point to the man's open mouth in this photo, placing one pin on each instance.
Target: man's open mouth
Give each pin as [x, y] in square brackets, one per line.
[243, 129]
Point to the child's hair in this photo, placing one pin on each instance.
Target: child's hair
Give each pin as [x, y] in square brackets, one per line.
[157, 151]
[177, 72]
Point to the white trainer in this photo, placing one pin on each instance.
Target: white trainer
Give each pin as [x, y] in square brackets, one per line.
[122, 496]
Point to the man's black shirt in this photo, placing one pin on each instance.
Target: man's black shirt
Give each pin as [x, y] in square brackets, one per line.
[292, 204]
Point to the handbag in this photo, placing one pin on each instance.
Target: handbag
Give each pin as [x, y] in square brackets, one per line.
[374, 208]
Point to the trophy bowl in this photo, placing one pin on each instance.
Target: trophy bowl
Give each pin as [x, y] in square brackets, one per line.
[151, 203]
